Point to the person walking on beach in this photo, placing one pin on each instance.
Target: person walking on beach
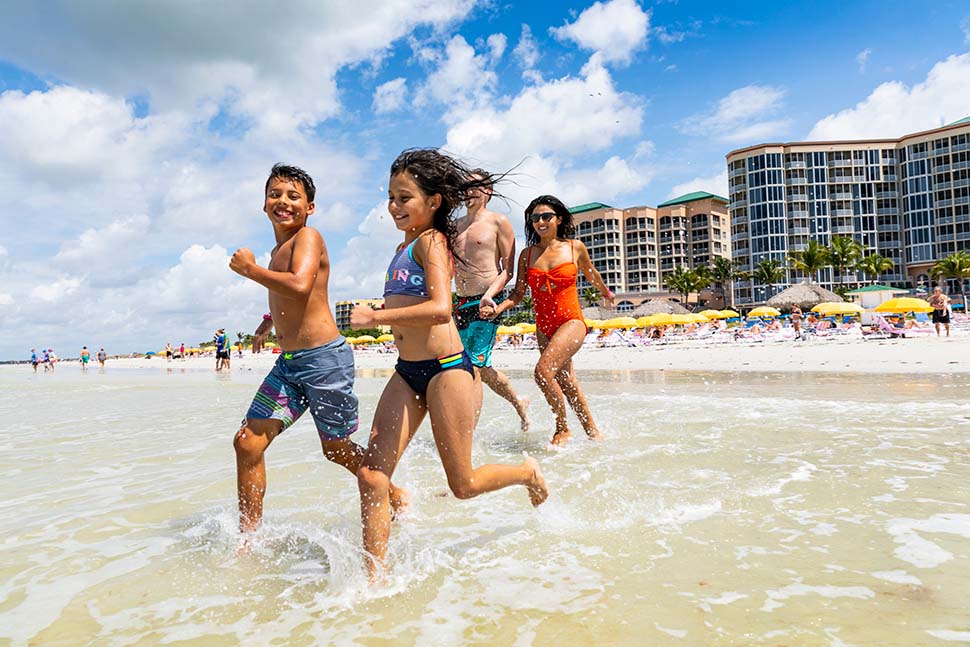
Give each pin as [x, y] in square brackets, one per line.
[51, 358]
[33, 359]
[222, 350]
[85, 357]
[46, 360]
[941, 310]
[433, 376]
[484, 261]
[796, 320]
[182, 350]
[549, 267]
[316, 368]
[102, 357]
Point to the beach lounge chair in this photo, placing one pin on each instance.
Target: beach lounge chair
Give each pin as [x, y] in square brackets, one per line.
[895, 331]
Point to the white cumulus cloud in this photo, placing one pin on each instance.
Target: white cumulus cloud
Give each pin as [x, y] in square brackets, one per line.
[616, 29]
[390, 96]
[893, 109]
[743, 116]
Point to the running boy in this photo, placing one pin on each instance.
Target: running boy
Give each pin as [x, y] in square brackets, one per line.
[316, 368]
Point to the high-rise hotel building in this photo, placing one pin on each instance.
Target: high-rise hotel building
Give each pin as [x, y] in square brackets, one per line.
[907, 199]
[634, 248]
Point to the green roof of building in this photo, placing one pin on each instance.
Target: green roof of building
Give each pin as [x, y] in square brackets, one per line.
[875, 288]
[965, 120]
[589, 206]
[692, 197]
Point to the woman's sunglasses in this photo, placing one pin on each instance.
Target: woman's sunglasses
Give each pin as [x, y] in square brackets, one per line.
[544, 217]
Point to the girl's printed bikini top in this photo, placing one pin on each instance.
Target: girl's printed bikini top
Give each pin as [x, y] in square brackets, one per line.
[404, 275]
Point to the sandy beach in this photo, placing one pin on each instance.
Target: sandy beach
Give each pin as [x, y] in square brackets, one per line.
[930, 354]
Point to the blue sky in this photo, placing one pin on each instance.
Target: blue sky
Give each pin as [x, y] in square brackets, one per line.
[135, 138]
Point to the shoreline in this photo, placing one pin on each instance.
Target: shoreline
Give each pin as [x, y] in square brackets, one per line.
[929, 355]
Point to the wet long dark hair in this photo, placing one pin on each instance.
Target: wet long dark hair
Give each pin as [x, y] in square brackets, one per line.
[434, 172]
[564, 231]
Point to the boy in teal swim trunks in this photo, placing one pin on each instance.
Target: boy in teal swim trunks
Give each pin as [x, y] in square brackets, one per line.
[316, 368]
[485, 259]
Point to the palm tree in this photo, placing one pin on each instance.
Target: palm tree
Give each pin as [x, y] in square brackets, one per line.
[809, 260]
[721, 271]
[767, 272]
[843, 252]
[591, 296]
[874, 265]
[682, 280]
[955, 266]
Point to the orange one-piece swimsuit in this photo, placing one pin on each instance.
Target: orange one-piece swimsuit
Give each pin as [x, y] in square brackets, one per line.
[554, 294]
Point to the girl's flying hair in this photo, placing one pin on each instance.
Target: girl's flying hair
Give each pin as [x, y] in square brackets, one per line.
[437, 173]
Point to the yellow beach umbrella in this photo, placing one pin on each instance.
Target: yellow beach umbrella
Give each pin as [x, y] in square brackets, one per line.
[698, 317]
[643, 322]
[681, 319]
[729, 314]
[384, 338]
[508, 330]
[594, 324]
[269, 344]
[664, 319]
[712, 314]
[764, 311]
[589, 322]
[366, 339]
[829, 308]
[904, 304]
[620, 322]
[526, 327]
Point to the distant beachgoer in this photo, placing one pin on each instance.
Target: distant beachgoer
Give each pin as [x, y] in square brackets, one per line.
[549, 268]
[434, 376]
[941, 310]
[102, 357]
[33, 359]
[484, 258]
[52, 358]
[222, 350]
[168, 351]
[85, 358]
[46, 360]
[182, 350]
[315, 371]
[796, 320]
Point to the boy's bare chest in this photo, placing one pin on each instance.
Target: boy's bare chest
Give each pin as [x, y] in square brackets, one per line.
[476, 238]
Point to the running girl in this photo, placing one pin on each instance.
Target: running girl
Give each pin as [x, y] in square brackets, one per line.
[549, 268]
[433, 375]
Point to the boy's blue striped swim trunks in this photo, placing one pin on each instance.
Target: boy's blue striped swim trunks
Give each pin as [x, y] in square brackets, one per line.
[320, 379]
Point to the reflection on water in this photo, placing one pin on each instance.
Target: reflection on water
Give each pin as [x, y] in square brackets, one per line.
[723, 509]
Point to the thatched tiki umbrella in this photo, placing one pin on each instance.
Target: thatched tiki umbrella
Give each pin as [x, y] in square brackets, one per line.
[805, 295]
[657, 306]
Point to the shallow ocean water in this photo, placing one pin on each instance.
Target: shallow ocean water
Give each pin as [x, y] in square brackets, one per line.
[722, 509]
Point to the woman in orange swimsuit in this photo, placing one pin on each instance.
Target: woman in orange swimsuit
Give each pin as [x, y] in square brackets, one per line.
[549, 267]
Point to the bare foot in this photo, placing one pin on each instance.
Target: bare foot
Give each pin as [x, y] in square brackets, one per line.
[245, 547]
[400, 501]
[523, 411]
[560, 437]
[594, 434]
[538, 491]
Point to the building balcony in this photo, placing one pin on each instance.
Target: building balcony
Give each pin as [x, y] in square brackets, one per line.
[944, 203]
[741, 251]
[739, 220]
[960, 147]
[736, 172]
[796, 180]
[840, 196]
[941, 168]
[740, 186]
[893, 228]
[943, 150]
[839, 163]
[887, 194]
[800, 213]
[960, 165]
[797, 247]
[798, 197]
[890, 178]
[843, 229]
[887, 212]
[918, 156]
[798, 231]
[943, 238]
[794, 164]
[738, 203]
[842, 213]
